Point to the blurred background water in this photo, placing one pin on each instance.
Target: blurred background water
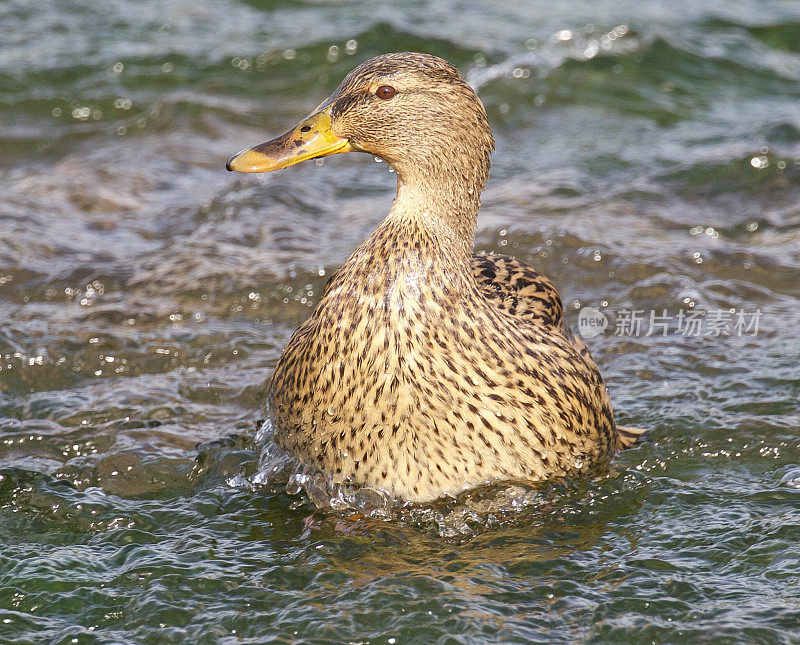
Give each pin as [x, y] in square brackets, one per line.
[648, 157]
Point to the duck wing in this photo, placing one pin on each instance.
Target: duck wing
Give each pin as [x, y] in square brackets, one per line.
[518, 289]
[521, 291]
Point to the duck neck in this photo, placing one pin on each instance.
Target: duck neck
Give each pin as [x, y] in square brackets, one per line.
[441, 212]
[425, 242]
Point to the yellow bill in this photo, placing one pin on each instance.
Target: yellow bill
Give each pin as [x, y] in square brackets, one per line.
[309, 139]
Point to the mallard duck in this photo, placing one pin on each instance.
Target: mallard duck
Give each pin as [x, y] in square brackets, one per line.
[426, 370]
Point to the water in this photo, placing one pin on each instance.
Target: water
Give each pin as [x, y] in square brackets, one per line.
[648, 158]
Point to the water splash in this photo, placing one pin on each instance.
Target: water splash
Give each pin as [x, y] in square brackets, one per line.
[467, 514]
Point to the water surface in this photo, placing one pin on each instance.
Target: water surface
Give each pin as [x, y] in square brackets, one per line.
[648, 158]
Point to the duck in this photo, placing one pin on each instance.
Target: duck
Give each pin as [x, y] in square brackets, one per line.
[427, 370]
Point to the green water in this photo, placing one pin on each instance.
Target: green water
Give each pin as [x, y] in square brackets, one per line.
[648, 158]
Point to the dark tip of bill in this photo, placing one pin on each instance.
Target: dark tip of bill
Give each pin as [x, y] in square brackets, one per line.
[228, 165]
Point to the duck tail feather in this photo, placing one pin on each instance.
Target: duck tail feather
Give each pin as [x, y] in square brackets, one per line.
[628, 436]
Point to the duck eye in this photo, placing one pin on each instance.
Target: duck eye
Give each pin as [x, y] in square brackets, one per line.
[385, 92]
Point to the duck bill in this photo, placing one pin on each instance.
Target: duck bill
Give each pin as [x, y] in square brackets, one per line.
[309, 139]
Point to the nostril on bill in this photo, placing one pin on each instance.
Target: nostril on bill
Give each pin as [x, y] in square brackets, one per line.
[305, 128]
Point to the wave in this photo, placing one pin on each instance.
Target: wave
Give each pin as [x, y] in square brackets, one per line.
[562, 46]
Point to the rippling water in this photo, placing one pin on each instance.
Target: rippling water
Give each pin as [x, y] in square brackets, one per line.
[648, 158]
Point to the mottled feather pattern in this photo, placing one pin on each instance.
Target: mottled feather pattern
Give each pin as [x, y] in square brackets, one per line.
[518, 289]
[426, 370]
[424, 388]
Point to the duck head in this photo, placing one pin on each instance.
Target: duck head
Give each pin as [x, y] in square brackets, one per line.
[412, 110]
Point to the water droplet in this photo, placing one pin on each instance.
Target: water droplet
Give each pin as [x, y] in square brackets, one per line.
[377, 159]
[81, 113]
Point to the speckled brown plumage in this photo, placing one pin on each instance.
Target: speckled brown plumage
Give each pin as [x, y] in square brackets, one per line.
[425, 370]
[518, 289]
